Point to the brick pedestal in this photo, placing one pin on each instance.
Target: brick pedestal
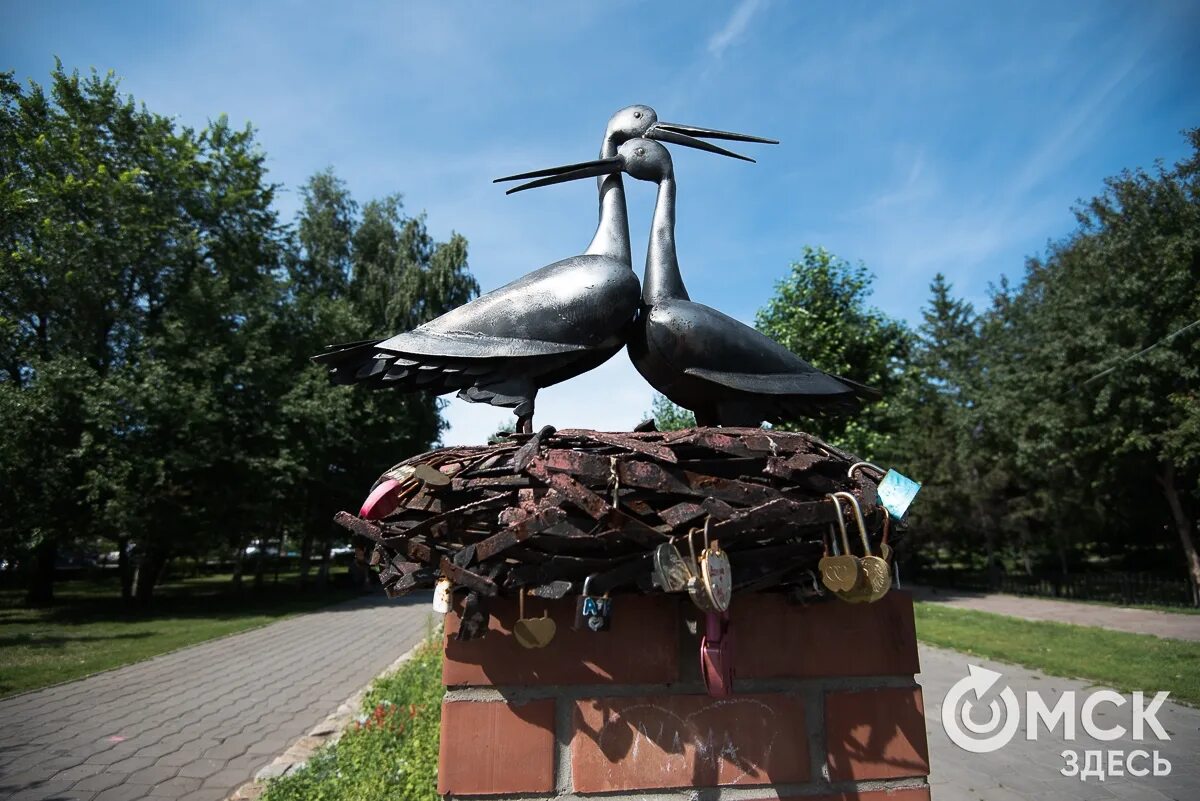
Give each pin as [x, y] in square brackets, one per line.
[825, 706]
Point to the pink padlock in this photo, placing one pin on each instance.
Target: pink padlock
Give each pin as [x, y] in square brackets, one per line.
[382, 501]
[716, 654]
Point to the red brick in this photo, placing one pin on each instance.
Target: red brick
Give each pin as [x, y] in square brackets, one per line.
[776, 639]
[876, 734]
[641, 648]
[905, 794]
[491, 748]
[688, 741]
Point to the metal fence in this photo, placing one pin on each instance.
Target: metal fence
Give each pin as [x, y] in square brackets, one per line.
[1121, 588]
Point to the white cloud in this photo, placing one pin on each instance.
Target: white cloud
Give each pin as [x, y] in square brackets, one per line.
[734, 27]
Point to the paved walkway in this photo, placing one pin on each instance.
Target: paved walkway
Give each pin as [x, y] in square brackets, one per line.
[1176, 626]
[197, 723]
[1026, 770]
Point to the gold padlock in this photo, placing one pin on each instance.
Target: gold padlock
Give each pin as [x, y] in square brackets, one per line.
[840, 572]
[875, 575]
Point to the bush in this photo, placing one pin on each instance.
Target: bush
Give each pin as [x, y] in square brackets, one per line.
[390, 753]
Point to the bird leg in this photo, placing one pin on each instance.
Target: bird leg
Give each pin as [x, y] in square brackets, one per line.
[524, 413]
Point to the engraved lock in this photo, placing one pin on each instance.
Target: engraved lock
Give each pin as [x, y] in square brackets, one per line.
[592, 612]
[875, 576]
[671, 570]
[840, 572]
[716, 573]
[533, 632]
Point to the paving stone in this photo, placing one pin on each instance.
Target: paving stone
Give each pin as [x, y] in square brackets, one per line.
[236, 702]
[123, 792]
[78, 773]
[173, 788]
[201, 768]
[100, 781]
[155, 774]
[41, 790]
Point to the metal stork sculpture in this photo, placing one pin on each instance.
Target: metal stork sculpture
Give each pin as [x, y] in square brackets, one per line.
[545, 327]
[726, 372]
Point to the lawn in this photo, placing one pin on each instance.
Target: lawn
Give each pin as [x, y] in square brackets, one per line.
[1113, 658]
[391, 753]
[89, 628]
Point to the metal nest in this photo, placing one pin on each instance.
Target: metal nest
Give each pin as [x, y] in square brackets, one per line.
[542, 513]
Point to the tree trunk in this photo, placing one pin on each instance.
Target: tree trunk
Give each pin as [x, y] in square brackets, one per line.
[260, 562]
[306, 545]
[323, 570]
[41, 578]
[1183, 525]
[124, 569]
[239, 562]
[149, 570]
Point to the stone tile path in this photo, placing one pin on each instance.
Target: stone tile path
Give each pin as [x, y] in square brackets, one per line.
[1176, 626]
[1026, 770]
[197, 723]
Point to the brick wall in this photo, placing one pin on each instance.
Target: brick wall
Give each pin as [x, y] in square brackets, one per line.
[824, 708]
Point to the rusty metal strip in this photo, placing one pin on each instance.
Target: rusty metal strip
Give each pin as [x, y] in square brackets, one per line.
[591, 503]
[631, 444]
[517, 532]
[467, 578]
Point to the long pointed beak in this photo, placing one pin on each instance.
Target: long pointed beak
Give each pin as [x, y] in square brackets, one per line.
[567, 172]
[686, 135]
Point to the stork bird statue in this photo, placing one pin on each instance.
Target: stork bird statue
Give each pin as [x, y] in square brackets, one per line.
[726, 372]
[545, 327]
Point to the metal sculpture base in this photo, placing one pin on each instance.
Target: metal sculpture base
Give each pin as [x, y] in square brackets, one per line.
[542, 513]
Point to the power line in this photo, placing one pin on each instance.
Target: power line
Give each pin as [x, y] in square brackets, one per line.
[1141, 352]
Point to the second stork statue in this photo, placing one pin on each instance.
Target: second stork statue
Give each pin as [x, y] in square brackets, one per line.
[726, 372]
[545, 327]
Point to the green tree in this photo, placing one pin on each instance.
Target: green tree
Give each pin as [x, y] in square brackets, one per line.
[356, 275]
[138, 270]
[668, 416]
[820, 312]
[1104, 364]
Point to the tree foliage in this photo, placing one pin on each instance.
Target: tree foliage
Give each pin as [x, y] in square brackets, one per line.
[156, 320]
[1057, 427]
[821, 312]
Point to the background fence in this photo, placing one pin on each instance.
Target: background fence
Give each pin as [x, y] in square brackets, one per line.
[1122, 588]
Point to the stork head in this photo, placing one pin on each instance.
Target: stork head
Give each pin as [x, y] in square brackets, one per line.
[630, 122]
[641, 122]
[643, 159]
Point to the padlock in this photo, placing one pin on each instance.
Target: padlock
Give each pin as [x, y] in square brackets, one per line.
[716, 573]
[716, 654]
[592, 612]
[839, 572]
[441, 596]
[875, 576]
[671, 570]
[532, 632]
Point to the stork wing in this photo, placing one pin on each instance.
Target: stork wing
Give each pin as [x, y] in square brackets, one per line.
[799, 383]
[576, 304]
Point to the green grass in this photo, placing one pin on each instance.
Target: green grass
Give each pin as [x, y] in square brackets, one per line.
[1113, 658]
[391, 754]
[89, 629]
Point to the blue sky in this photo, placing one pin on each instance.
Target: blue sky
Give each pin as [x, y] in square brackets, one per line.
[916, 137]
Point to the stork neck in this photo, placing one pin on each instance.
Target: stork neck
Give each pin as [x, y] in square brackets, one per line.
[612, 234]
[662, 280]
